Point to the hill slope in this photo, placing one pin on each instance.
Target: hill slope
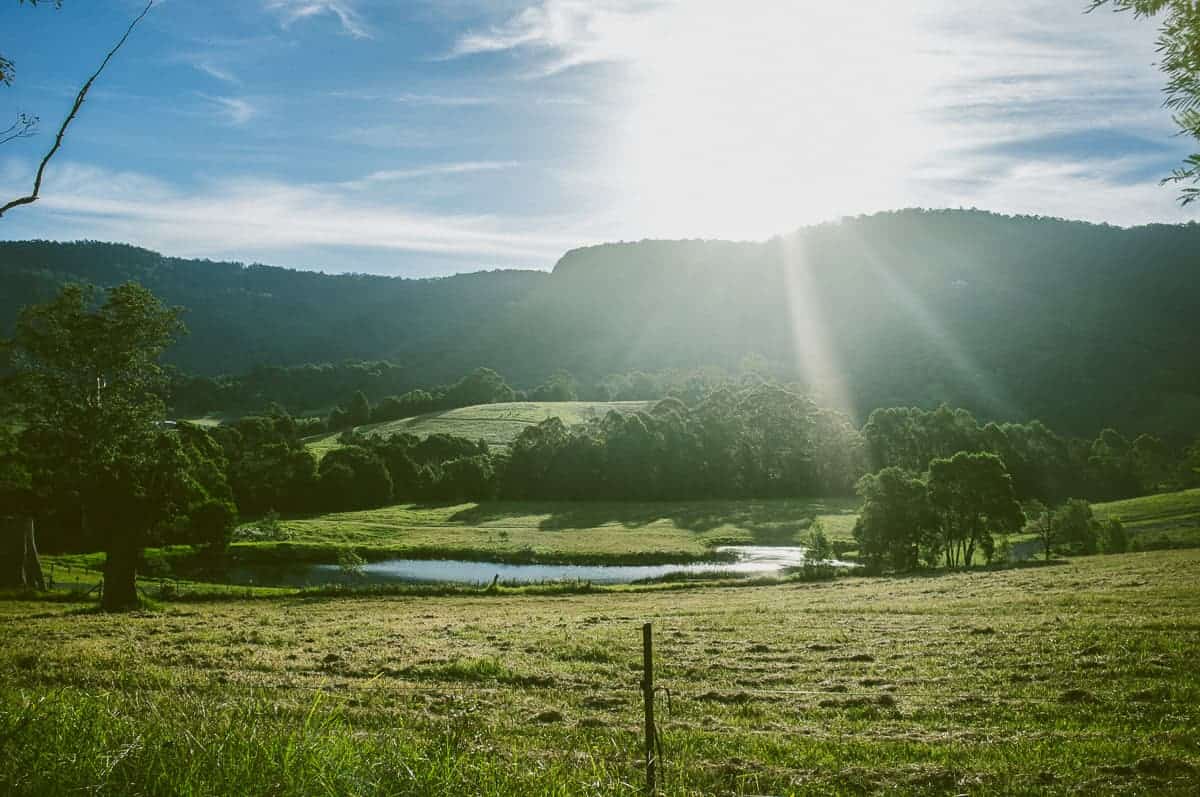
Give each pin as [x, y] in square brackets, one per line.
[495, 424]
[240, 317]
[1080, 325]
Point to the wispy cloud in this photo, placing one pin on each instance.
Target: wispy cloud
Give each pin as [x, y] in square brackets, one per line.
[568, 32]
[431, 170]
[411, 98]
[218, 72]
[246, 217]
[348, 16]
[235, 111]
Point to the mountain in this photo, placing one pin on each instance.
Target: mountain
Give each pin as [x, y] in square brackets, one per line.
[1077, 324]
[240, 317]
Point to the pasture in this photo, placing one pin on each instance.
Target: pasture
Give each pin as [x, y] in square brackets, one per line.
[496, 424]
[1080, 676]
[596, 532]
[1164, 520]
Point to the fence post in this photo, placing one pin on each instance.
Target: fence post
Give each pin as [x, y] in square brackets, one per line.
[648, 699]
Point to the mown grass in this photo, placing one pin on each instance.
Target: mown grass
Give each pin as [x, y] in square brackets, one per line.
[594, 532]
[496, 424]
[1077, 677]
[1164, 520]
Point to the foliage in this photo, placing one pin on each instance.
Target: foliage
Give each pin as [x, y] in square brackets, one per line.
[1179, 61]
[88, 387]
[1114, 538]
[1019, 300]
[1075, 527]
[973, 498]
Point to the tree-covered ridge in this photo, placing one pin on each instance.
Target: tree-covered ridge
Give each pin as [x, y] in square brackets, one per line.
[244, 316]
[1083, 326]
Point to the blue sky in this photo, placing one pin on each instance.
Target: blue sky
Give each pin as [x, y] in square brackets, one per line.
[420, 137]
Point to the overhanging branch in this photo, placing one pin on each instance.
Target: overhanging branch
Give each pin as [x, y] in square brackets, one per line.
[62, 130]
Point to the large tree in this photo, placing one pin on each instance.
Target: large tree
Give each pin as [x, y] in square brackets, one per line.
[89, 388]
[896, 523]
[974, 499]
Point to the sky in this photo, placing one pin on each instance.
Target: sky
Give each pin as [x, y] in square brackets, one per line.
[427, 137]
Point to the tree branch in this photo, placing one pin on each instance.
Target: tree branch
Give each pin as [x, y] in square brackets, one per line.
[62, 130]
[24, 127]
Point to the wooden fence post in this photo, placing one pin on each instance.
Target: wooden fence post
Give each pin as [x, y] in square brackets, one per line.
[648, 699]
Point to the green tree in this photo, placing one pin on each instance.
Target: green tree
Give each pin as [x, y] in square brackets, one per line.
[1075, 526]
[359, 411]
[559, 386]
[18, 544]
[89, 385]
[1179, 61]
[1041, 524]
[354, 478]
[1114, 538]
[896, 519]
[973, 497]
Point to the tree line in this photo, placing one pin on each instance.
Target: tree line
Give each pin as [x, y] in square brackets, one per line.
[88, 454]
[998, 315]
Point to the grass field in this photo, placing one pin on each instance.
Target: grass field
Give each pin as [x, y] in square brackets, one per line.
[1166, 519]
[610, 532]
[496, 424]
[1083, 677]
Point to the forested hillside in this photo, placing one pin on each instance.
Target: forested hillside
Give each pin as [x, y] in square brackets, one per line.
[240, 317]
[1080, 325]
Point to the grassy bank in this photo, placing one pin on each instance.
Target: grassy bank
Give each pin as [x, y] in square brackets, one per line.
[592, 532]
[1158, 521]
[1078, 676]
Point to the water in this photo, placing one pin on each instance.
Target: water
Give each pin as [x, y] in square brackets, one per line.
[751, 560]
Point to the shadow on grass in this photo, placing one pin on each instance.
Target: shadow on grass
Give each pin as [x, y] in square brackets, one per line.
[768, 522]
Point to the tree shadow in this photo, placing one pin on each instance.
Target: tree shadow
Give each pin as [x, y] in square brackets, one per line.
[767, 522]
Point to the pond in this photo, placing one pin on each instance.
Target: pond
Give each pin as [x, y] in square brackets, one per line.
[751, 560]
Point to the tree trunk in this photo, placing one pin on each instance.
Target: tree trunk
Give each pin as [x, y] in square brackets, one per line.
[31, 565]
[120, 573]
[18, 550]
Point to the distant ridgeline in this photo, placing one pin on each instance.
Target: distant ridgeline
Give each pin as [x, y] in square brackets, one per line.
[1079, 325]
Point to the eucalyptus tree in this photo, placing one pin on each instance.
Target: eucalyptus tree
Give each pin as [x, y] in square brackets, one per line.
[1179, 61]
[972, 494]
[89, 386]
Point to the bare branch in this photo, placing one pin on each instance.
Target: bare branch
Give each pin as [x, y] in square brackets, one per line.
[62, 130]
[24, 127]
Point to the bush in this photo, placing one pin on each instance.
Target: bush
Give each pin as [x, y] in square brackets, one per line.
[1115, 539]
[213, 523]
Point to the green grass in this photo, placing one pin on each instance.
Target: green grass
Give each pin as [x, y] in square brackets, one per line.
[597, 532]
[1081, 677]
[1157, 520]
[496, 424]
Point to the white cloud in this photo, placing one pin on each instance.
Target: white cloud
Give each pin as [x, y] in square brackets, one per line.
[431, 170]
[234, 111]
[347, 14]
[569, 32]
[215, 71]
[245, 217]
[746, 119]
